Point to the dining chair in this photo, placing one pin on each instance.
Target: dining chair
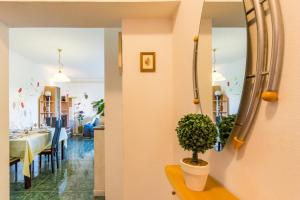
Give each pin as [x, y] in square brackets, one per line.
[14, 161]
[53, 150]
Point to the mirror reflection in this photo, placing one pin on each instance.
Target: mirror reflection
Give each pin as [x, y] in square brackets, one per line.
[228, 50]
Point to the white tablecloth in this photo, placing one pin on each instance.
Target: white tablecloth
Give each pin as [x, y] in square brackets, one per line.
[30, 145]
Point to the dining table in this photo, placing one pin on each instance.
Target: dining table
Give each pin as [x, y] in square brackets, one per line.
[28, 144]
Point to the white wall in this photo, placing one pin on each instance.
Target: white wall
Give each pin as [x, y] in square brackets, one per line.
[114, 154]
[234, 73]
[4, 122]
[186, 26]
[147, 110]
[26, 73]
[22, 75]
[231, 53]
[94, 90]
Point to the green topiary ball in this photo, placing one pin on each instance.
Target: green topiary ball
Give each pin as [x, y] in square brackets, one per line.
[196, 132]
[225, 128]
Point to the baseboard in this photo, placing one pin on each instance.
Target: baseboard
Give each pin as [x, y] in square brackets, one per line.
[98, 193]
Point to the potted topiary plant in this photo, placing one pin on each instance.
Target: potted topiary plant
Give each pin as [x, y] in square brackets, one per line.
[225, 128]
[196, 133]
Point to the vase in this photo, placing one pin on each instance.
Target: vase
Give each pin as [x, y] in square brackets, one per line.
[195, 176]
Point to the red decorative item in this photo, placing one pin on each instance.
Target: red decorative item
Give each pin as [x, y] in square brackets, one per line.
[22, 104]
[20, 90]
[38, 84]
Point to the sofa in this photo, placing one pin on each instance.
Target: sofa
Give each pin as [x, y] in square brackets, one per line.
[88, 128]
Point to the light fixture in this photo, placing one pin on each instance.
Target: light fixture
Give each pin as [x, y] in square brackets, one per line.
[216, 76]
[60, 77]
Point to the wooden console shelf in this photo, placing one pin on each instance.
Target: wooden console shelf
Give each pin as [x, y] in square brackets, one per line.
[213, 190]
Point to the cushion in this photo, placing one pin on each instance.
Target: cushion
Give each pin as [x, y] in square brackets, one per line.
[96, 122]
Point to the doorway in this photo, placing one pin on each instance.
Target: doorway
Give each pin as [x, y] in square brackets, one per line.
[37, 100]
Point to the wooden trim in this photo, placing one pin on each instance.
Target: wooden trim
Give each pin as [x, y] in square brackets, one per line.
[99, 128]
[99, 193]
[120, 52]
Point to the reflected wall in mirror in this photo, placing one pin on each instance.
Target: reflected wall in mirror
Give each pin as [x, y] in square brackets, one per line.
[228, 53]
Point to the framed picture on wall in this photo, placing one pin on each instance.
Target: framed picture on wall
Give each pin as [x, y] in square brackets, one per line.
[147, 62]
[120, 53]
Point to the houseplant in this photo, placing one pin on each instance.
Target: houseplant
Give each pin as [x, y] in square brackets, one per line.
[99, 107]
[225, 128]
[196, 133]
[80, 116]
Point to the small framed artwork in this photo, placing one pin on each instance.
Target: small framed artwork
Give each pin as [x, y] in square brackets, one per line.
[147, 62]
[120, 53]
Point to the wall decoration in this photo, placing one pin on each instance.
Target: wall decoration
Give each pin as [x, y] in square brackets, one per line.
[120, 53]
[20, 99]
[147, 62]
[33, 87]
[18, 111]
[234, 86]
[22, 103]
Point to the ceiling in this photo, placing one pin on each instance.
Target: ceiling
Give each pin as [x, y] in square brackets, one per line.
[229, 33]
[56, 25]
[225, 14]
[230, 44]
[83, 49]
[83, 14]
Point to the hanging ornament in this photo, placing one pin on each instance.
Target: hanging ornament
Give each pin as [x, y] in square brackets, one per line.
[86, 96]
[216, 76]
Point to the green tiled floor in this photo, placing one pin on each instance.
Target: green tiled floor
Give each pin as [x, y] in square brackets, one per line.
[73, 180]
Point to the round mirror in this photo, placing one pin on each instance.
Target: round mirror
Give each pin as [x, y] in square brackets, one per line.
[222, 55]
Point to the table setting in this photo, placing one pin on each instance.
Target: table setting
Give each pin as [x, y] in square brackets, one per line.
[28, 143]
[18, 134]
